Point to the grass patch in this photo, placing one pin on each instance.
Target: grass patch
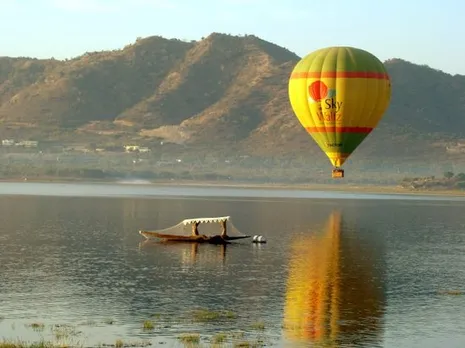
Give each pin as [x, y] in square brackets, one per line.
[258, 325]
[64, 332]
[119, 343]
[109, 321]
[247, 344]
[22, 344]
[230, 315]
[205, 315]
[219, 338]
[237, 335]
[36, 326]
[148, 325]
[192, 338]
[451, 292]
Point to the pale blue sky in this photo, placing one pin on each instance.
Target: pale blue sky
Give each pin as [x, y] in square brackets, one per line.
[425, 32]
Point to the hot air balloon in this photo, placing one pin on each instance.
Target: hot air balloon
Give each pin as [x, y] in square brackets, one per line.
[339, 94]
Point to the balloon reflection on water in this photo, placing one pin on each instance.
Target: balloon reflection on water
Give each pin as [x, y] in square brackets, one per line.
[334, 293]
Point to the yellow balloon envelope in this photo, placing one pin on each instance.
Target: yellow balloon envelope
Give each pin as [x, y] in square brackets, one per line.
[339, 94]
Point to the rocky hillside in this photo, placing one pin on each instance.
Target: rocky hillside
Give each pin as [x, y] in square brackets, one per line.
[223, 92]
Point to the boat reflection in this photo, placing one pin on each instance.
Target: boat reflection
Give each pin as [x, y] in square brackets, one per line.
[334, 294]
[189, 252]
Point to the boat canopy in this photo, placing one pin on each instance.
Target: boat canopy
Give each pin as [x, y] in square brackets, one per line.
[205, 220]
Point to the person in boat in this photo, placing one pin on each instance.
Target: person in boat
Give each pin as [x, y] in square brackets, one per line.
[223, 229]
[220, 238]
[195, 228]
[195, 231]
[215, 238]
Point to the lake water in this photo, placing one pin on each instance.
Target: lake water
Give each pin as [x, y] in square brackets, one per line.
[339, 269]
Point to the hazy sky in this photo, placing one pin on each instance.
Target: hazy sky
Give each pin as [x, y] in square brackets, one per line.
[425, 32]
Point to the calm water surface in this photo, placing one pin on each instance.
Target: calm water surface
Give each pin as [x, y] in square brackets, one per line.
[339, 269]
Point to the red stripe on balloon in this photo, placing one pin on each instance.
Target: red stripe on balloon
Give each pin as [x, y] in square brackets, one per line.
[340, 74]
[339, 129]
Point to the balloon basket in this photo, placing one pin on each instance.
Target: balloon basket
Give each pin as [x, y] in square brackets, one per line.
[338, 173]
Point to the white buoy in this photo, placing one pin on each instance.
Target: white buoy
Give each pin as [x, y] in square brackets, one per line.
[258, 239]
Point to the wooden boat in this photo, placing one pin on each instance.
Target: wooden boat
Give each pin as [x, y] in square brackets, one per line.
[178, 232]
[216, 239]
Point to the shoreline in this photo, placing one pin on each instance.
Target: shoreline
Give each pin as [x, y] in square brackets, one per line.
[354, 188]
[380, 189]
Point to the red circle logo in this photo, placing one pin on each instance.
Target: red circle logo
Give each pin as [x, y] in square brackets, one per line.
[318, 90]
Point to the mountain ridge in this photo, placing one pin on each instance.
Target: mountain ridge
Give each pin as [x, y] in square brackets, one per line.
[224, 92]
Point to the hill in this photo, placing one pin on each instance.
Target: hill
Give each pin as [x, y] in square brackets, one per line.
[222, 93]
